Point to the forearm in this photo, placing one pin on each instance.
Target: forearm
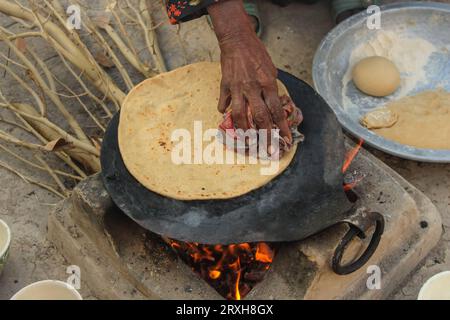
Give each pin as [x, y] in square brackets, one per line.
[249, 84]
[230, 21]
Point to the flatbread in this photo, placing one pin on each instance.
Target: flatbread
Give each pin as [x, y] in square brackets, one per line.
[421, 121]
[174, 100]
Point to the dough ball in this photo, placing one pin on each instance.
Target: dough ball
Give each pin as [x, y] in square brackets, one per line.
[376, 76]
[379, 118]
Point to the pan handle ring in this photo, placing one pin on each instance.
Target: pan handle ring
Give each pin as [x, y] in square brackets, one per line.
[357, 229]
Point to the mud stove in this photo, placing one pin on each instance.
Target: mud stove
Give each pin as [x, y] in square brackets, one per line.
[121, 260]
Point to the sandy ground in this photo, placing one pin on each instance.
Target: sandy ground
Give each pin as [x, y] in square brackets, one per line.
[291, 35]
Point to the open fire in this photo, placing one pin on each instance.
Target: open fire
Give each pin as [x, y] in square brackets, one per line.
[233, 270]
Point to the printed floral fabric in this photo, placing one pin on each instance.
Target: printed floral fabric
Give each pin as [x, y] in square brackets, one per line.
[184, 10]
[294, 117]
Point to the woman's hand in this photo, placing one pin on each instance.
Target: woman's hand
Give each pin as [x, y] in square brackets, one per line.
[248, 74]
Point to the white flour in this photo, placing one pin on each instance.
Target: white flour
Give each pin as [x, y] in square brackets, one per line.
[410, 55]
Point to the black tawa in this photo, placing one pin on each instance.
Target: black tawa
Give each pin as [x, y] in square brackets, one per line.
[306, 198]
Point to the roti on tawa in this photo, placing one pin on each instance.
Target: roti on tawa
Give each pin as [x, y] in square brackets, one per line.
[174, 100]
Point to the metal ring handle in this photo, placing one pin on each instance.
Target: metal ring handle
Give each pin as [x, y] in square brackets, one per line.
[349, 236]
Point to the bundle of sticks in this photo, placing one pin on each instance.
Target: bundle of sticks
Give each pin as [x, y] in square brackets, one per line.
[97, 57]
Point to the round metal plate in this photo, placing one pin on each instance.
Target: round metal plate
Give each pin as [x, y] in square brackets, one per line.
[416, 20]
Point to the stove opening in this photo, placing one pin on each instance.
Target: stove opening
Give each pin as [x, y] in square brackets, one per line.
[233, 270]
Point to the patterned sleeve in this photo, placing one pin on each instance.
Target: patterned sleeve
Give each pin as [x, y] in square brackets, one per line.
[184, 10]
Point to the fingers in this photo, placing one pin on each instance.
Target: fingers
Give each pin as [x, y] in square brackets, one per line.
[238, 109]
[275, 107]
[224, 98]
[261, 115]
[265, 106]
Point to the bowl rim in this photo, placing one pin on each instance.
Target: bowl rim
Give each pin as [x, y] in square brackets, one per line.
[49, 281]
[429, 281]
[8, 238]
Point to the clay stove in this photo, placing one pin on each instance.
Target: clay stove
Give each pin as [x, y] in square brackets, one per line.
[121, 260]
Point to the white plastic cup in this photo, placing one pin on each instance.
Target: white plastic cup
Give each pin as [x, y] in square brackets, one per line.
[5, 241]
[436, 288]
[48, 290]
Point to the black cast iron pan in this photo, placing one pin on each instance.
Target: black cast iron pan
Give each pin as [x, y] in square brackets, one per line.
[306, 198]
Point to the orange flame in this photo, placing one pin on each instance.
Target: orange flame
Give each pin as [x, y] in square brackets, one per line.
[350, 186]
[236, 267]
[351, 155]
[263, 253]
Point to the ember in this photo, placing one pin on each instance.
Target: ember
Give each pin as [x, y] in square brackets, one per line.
[233, 270]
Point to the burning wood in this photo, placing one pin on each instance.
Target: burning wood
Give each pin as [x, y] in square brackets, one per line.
[233, 270]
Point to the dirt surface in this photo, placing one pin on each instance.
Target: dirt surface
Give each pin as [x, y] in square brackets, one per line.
[291, 35]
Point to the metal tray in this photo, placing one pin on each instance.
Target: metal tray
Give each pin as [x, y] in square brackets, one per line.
[429, 21]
